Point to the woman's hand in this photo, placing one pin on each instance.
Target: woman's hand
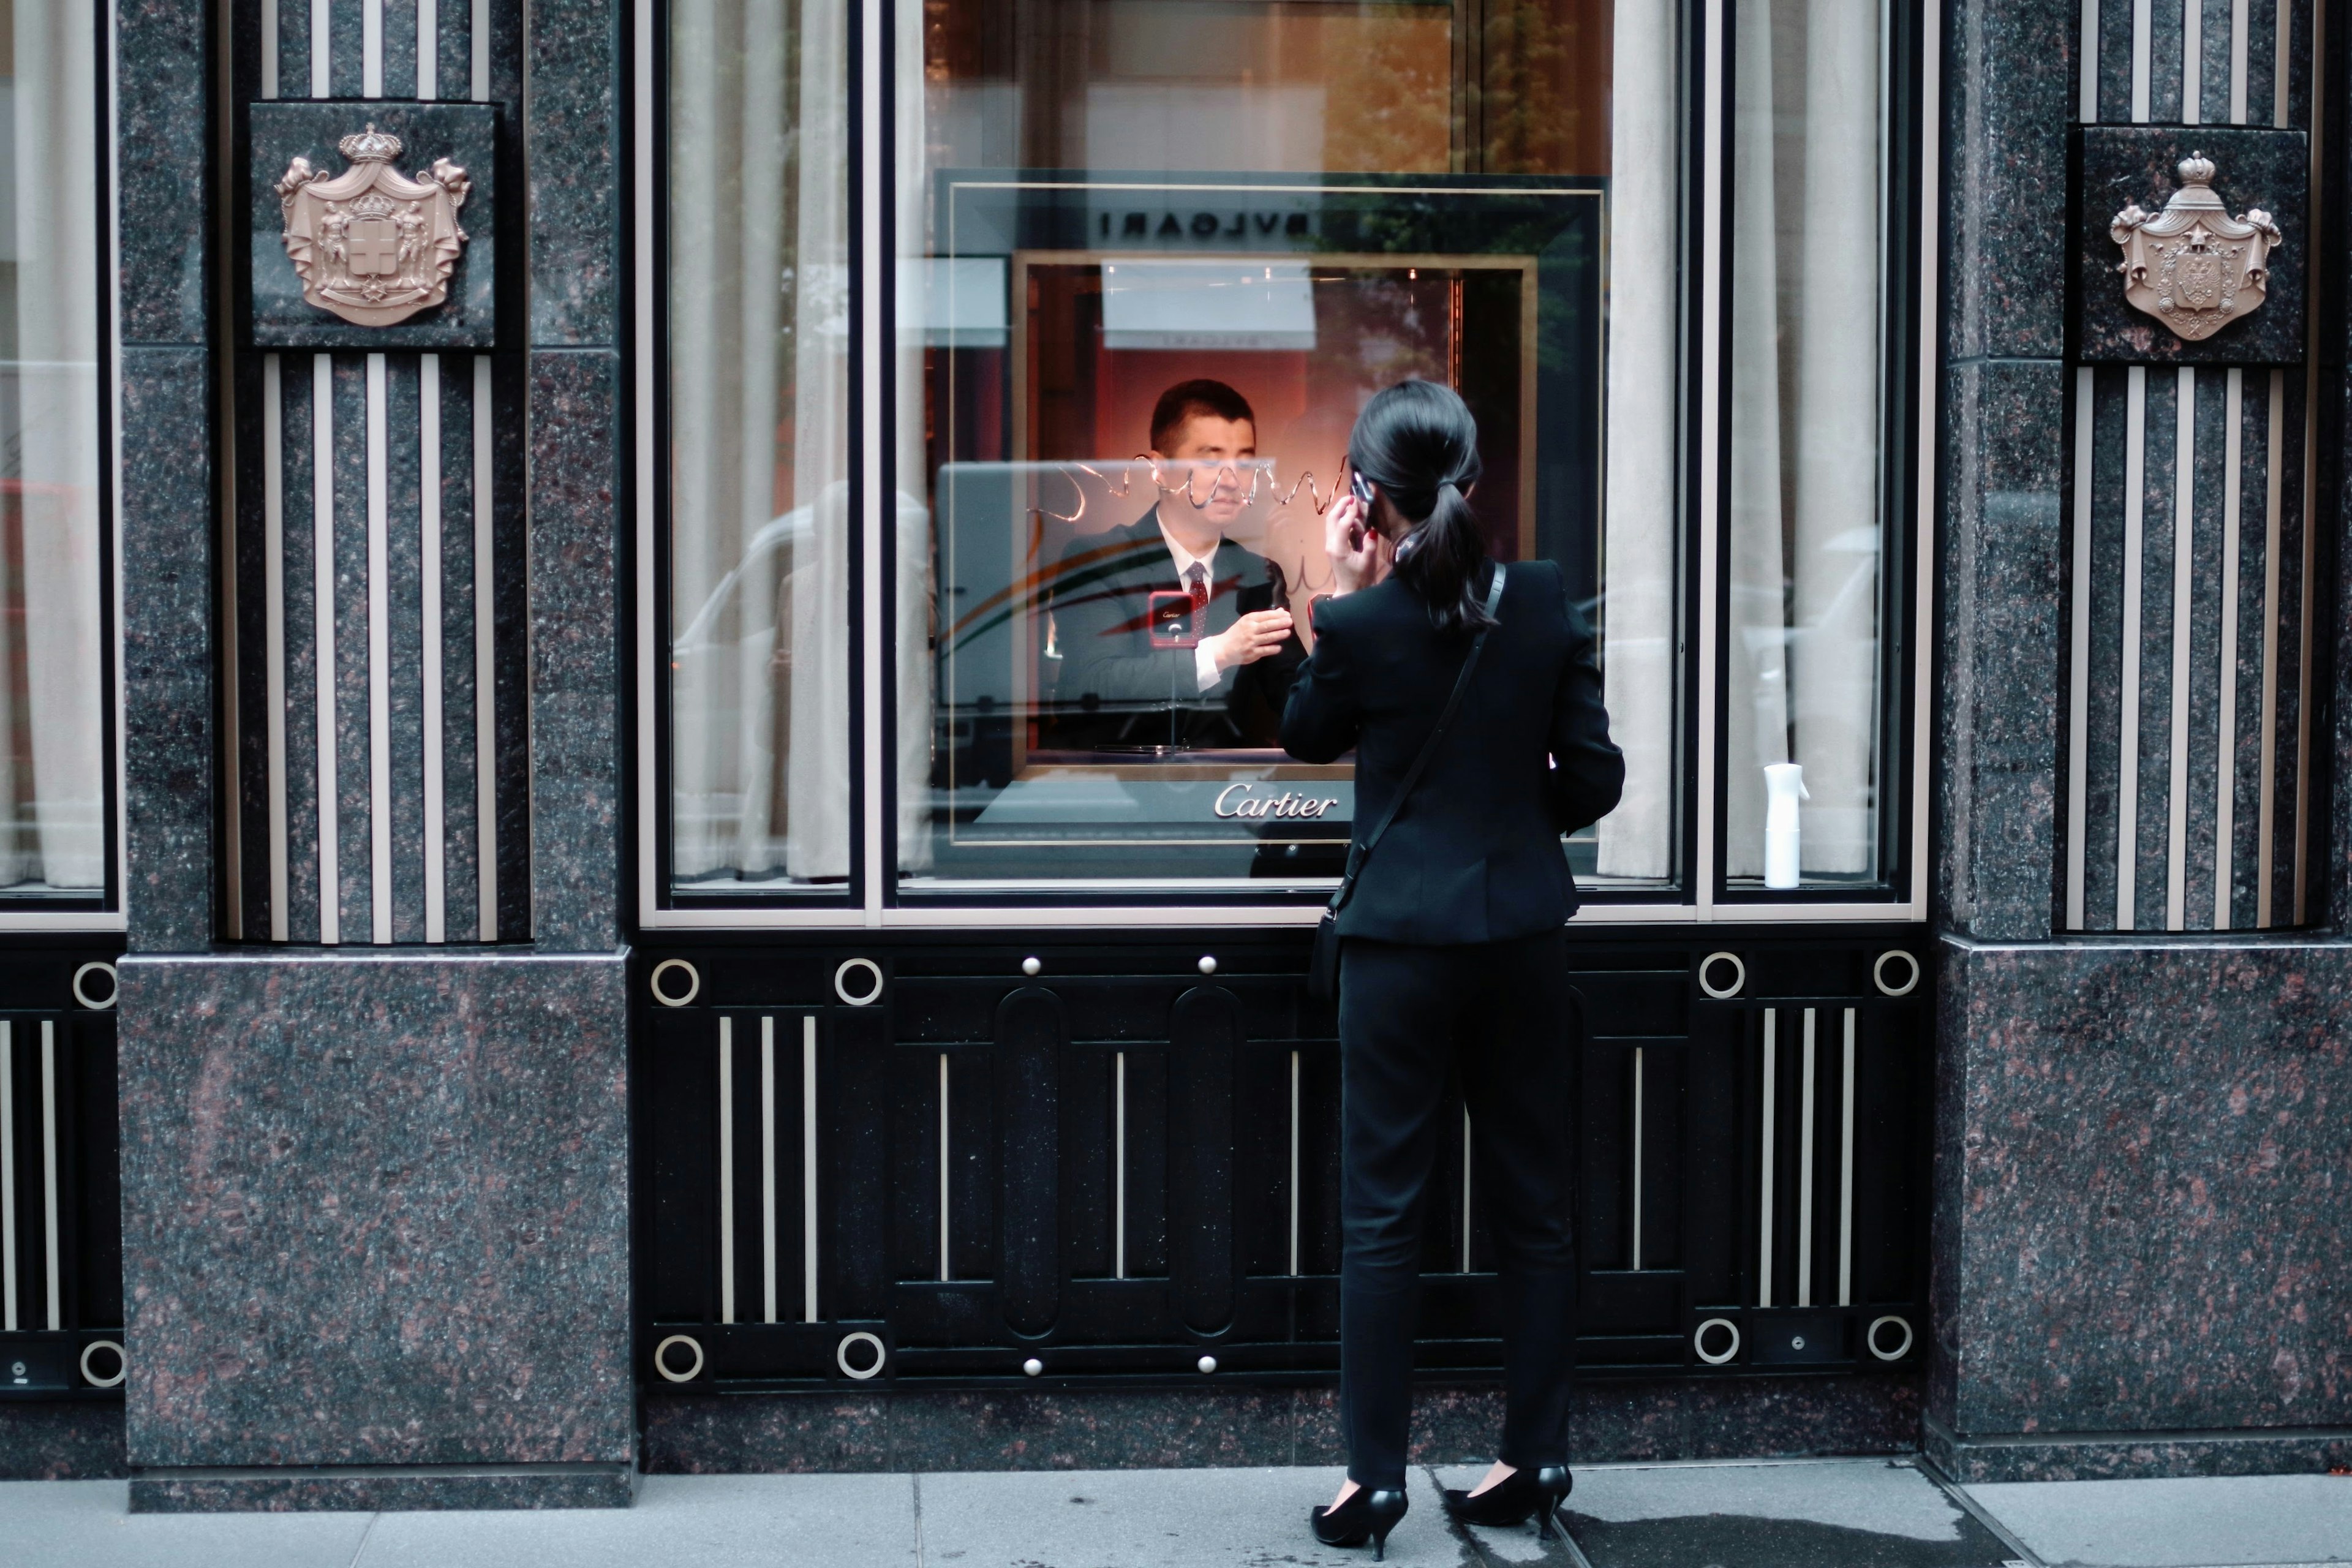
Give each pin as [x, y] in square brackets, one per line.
[1359, 554]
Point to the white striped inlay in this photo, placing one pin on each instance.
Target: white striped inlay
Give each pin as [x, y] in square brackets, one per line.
[1635, 1179]
[2184, 589]
[2139, 61]
[323, 616]
[429, 529]
[49, 1174]
[2078, 694]
[808, 1168]
[1465, 1189]
[1805, 1174]
[268, 48]
[2266, 798]
[726, 1169]
[767, 1170]
[486, 684]
[943, 1164]
[428, 48]
[323, 19]
[2192, 61]
[1845, 1173]
[1119, 1166]
[2087, 93]
[2282, 62]
[379, 655]
[1767, 1128]
[371, 49]
[2239, 18]
[273, 613]
[8, 1176]
[2225, 772]
[1293, 1164]
[480, 49]
[2133, 566]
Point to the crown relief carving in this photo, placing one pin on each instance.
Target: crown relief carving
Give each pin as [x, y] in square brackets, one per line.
[371, 245]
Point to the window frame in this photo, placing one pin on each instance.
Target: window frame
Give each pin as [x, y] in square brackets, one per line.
[100, 911]
[1699, 893]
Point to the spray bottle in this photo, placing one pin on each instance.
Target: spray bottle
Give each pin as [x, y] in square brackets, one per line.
[1784, 787]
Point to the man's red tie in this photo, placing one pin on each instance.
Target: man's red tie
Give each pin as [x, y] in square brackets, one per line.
[1196, 579]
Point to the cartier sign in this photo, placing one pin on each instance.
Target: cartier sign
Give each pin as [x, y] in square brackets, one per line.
[1241, 800]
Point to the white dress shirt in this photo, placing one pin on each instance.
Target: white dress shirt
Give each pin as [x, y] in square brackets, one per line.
[1205, 673]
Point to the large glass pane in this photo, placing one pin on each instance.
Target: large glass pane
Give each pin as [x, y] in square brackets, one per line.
[53, 702]
[1155, 256]
[758, 426]
[1807, 514]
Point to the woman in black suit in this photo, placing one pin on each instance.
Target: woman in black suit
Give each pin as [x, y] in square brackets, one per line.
[1452, 946]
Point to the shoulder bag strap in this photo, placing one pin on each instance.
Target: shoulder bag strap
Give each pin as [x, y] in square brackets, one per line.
[1359, 853]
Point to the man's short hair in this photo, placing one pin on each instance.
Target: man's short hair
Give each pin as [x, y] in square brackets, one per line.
[1188, 399]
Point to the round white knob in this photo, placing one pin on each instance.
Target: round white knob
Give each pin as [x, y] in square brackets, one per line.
[1032, 966]
[1033, 1366]
[1207, 1362]
[1208, 965]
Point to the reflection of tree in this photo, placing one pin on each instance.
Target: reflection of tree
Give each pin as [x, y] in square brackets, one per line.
[1389, 103]
[1544, 106]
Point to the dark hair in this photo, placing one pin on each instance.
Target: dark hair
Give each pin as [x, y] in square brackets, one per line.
[1182, 401]
[1418, 442]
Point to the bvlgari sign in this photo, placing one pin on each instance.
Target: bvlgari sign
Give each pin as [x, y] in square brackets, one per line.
[372, 245]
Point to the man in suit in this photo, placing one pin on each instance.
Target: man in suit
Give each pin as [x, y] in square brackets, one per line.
[1213, 672]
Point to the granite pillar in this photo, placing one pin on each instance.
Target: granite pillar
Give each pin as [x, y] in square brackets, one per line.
[376, 1230]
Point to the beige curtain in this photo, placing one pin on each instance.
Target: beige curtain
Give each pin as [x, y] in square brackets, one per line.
[760, 420]
[1637, 603]
[52, 700]
[1805, 357]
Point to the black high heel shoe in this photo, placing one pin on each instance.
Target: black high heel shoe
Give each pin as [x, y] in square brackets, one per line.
[1521, 1495]
[1366, 1515]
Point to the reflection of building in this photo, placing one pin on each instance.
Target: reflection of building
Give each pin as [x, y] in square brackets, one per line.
[535, 769]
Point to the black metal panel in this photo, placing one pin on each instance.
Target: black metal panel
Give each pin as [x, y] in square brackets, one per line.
[1115, 1166]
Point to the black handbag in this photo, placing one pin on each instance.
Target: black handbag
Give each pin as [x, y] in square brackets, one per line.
[1323, 964]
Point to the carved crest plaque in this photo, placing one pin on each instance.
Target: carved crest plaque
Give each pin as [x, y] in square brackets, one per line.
[372, 245]
[2193, 266]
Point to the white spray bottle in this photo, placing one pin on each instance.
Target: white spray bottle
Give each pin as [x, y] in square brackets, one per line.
[1784, 787]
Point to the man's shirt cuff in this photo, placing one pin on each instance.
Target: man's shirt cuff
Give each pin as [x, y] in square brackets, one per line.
[1205, 673]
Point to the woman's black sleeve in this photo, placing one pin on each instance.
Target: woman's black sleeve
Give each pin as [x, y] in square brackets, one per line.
[1589, 772]
[1321, 720]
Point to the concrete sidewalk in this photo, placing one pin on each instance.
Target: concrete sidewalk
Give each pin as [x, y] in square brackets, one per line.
[1825, 1513]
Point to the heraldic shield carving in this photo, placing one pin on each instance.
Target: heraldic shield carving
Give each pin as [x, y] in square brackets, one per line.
[2193, 266]
[372, 245]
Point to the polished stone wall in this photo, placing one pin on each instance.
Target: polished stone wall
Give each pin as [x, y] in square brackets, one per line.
[375, 1216]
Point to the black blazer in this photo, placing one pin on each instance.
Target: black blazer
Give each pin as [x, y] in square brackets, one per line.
[1475, 856]
[1115, 688]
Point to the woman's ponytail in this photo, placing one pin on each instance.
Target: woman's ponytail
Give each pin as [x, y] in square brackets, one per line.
[1418, 443]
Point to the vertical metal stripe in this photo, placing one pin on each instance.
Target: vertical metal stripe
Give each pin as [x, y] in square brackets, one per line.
[2192, 61]
[808, 1168]
[726, 1169]
[768, 1169]
[1764, 1178]
[1636, 1249]
[1119, 1165]
[2134, 543]
[1710, 439]
[269, 49]
[1845, 1172]
[371, 49]
[486, 685]
[323, 17]
[2141, 29]
[2225, 764]
[2241, 20]
[1293, 1162]
[2304, 617]
[1805, 1174]
[2184, 586]
[2088, 93]
[273, 594]
[876, 505]
[49, 1172]
[2266, 810]
[8, 1176]
[943, 1164]
[2078, 695]
[1465, 1189]
[2282, 66]
[379, 649]
[428, 49]
[322, 617]
[481, 48]
[428, 491]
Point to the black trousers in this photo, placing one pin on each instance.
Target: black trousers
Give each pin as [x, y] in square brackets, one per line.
[1497, 1014]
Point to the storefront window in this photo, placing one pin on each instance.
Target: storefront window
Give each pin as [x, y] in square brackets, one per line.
[1155, 256]
[1806, 503]
[53, 702]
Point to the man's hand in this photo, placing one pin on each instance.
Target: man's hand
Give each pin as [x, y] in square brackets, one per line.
[1253, 637]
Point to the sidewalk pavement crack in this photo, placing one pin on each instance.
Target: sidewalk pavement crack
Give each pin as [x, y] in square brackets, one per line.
[1473, 1554]
[360, 1551]
[916, 1481]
